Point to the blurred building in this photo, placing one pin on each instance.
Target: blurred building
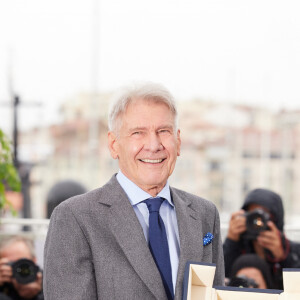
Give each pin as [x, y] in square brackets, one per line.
[231, 149]
[64, 151]
[227, 150]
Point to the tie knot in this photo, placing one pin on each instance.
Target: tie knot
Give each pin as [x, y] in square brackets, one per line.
[154, 204]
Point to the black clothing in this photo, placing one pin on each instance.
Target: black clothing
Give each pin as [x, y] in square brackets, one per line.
[8, 292]
[4, 297]
[271, 201]
[233, 249]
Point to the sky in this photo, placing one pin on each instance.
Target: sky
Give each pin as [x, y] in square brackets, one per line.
[237, 51]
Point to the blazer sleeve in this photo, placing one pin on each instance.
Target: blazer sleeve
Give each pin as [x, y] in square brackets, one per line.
[68, 267]
[217, 249]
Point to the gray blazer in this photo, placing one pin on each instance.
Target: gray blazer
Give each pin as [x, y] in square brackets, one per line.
[96, 249]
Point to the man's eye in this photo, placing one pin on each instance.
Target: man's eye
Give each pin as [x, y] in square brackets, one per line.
[164, 131]
[136, 133]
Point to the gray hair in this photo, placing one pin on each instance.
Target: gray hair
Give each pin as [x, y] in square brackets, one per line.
[9, 240]
[146, 91]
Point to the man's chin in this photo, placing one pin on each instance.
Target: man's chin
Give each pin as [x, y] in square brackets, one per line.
[153, 183]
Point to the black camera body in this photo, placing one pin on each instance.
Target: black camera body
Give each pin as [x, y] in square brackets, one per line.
[24, 270]
[242, 281]
[256, 222]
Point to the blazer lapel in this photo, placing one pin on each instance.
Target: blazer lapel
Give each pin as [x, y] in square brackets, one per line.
[190, 235]
[129, 234]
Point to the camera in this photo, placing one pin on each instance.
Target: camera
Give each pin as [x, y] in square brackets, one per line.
[256, 222]
[243, 282]
[24, 270]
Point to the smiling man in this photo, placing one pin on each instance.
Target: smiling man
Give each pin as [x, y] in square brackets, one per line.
[131, 238]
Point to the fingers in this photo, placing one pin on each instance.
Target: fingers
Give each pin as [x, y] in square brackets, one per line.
[273, 234]
[272, 226]
[238, 219]
[267, 241]
[271, 240]
[4, 261]
[240, 212]
[237, 225]
[39, 279]
[5, 271]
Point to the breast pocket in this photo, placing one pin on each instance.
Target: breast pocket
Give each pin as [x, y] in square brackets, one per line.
[207, 253]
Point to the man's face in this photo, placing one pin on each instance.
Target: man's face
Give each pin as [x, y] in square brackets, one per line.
[255, 274]
[147, 145]
[12, 253]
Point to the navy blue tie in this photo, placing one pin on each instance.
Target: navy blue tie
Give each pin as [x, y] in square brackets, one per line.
[158, 244]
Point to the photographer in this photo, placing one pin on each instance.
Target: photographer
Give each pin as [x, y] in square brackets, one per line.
[17, 255]
[251, 271]
[258, 228]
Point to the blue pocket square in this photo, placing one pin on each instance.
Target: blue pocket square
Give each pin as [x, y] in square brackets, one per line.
[208, 239]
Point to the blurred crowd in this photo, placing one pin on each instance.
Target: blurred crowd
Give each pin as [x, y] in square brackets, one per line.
[20, 275]
[256, 248]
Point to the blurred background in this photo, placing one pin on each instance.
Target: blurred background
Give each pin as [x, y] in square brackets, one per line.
[233, 67]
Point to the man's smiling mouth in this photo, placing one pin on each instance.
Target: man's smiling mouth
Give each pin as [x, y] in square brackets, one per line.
[152, 161]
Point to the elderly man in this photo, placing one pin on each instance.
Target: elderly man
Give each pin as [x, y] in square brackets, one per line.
[131, 238]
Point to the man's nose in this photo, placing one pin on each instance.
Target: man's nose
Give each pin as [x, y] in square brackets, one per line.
[153, 142]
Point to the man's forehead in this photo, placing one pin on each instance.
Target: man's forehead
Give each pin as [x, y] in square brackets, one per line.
[129, 119]
[254, 206]
[15, 250]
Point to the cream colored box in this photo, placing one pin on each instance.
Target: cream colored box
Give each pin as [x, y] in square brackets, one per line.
[198, 281]
[198, 285]
[291, 284]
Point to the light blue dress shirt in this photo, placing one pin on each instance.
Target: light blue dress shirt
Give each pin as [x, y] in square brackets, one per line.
[167, 212]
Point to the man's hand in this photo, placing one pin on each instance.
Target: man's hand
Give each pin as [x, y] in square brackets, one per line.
[237, 225]
[30, 290]
[5, 271]
[271, 240]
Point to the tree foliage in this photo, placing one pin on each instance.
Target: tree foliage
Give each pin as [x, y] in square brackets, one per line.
[9, 177]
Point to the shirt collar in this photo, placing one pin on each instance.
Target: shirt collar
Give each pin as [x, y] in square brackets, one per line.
[136, 194]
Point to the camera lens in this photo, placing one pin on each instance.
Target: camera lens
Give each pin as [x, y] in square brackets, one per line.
[25, 271]
[243, 282]
[256, 221]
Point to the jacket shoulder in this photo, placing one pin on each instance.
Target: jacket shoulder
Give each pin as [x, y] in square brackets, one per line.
[85, 202]
[193, 200]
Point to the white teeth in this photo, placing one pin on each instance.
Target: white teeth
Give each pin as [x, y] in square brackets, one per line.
[152, 161]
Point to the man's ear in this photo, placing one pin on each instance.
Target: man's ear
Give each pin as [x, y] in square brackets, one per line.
[178, 142]
[113, 145]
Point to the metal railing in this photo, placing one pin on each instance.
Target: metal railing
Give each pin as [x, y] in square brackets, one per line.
[21, 226]
[39, 227]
